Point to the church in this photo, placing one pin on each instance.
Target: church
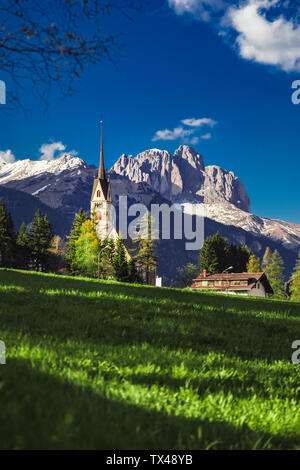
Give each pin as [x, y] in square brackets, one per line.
[103, 213]
[102, 210]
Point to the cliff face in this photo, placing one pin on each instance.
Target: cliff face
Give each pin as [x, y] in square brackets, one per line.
[182, 177]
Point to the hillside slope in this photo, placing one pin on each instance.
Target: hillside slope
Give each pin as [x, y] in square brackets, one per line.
[23, 207]
[99, 365]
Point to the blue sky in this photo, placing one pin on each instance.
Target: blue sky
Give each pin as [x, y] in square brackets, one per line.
[214, 74]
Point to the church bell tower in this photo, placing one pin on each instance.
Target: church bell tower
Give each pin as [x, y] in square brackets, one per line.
[101, 201]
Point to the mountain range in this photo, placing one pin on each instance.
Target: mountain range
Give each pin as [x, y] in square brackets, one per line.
[61, 187]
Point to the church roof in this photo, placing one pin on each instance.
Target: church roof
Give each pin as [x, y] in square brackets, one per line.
[102, 180]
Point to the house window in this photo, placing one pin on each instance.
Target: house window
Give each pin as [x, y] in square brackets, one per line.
[204, 283]
[98, 193]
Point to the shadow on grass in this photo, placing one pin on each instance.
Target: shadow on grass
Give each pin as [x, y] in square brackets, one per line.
[126, 321]
[40, 411]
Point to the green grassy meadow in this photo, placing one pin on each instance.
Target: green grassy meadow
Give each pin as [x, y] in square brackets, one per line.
[103, 365]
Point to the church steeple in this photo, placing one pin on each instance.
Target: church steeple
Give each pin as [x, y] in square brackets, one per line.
[101, 195]
[102, 211]
[101, 174]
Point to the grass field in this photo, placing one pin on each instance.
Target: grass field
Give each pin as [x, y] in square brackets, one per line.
[99, 365]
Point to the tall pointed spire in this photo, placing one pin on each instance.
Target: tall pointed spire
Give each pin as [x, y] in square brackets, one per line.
[101, 174]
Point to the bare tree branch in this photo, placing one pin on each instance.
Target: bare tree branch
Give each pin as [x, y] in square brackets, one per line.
[51, 41]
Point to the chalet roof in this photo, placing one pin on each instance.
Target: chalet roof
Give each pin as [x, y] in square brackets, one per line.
[230, 276]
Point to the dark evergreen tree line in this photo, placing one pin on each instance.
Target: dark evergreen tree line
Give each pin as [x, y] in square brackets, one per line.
[35, 247]
[28, 249]
[218, 255]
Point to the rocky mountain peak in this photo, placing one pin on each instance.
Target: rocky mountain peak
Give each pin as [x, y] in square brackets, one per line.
[67, 160]
[182, 177]
[194, 159]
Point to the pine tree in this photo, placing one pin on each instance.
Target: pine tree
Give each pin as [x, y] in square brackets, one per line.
[275, 272]
[295, 284]
[120, 263]
[244, 254]
[253, 265]
[267, 259]
[145, 256]
[208, 258]
[79, 219]
[105, 259]
[41, 235]
[187, 274]
[237, 257]
[133, 275]
[109, 250]
[24, 248]
[214, 254]
[57, 253]
[7, 238]
[217, 255]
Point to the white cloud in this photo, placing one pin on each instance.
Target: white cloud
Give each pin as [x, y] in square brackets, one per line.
[49, 151]
[177, 133]
[194, 141]
[199, 122]
[186, 135]
[7, 156]
[202, 9]
[274, 42]
[206, 136]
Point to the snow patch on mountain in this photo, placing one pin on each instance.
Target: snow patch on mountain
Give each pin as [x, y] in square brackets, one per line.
[40, 190]
[285, 232]
[22, 169]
